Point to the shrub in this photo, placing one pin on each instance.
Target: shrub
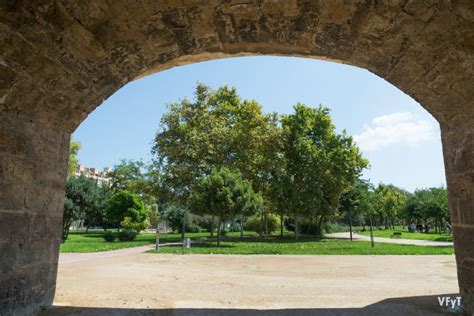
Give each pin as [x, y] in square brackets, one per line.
[255, 223]
[335, 228]
[205, 222]
[109, 236]
[127, 235]
[128, 224]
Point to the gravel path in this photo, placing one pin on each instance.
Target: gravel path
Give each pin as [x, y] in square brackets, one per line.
[164, 284]
[77, 257]
[416, 242]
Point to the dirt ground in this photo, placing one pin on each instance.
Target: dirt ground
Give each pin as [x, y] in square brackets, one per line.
[252, 282]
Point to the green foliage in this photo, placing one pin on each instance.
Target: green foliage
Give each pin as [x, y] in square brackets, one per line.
[83, 200]
[206, 222]
[306, 246]
[174, 214]
[334, 227]
[259, 225]
[218, 129]
[133, 225]
[428, 205]
[387, 233]
[356, 202]
[127, 235]
[109, 236]
[224, 194]
[319, 163]
[74, 148]
[127, 175]
[153, 214]
[390, 202]
[124, 207]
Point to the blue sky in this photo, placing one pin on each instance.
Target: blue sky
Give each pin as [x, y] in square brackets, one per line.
[400, 139]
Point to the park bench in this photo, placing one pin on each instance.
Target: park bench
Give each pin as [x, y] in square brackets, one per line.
[397, 235]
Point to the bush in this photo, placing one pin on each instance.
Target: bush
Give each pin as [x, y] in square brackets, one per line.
[173, 216]
[335, 228]
[311, 227]
[205, 222]
[127, 235]
[109, 236]
[255, 224]
[128, 224]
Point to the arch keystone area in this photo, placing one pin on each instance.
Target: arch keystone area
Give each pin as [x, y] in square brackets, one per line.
[60, 59]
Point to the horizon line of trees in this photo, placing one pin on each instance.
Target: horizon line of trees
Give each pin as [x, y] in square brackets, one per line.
[220, 158]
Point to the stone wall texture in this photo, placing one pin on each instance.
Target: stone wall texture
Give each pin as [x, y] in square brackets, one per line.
[61, 59]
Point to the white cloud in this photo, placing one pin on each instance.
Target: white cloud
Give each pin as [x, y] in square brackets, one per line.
[396, 128]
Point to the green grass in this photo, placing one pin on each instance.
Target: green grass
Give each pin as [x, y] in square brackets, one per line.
[305, 246]
[93, 241]
[406, 235]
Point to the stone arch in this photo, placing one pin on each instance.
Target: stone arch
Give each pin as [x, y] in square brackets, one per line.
[61, 59]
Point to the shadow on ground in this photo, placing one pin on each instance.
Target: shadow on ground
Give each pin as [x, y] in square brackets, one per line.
[417, 305]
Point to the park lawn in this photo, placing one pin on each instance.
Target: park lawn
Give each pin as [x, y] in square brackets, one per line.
[406, 235]
[305, 246]
[93, 241]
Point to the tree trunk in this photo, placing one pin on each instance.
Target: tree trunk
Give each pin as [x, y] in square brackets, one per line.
[183, 227]
[320, 226]
[281, 225]
[265, 218]
[241, 226]
[212, 226]
[350, 224]
[371, 232]
[219, 231]
[296, 228]
[261, 224]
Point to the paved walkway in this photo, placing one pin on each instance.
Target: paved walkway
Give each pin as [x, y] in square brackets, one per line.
[416, 242]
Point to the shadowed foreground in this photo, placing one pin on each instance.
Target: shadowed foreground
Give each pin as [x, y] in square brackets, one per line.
[163, 284]
[418, 305]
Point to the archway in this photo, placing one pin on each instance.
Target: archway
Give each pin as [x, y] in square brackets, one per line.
[60, 60]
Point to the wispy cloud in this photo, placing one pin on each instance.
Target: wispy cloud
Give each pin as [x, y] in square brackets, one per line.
[396, 128]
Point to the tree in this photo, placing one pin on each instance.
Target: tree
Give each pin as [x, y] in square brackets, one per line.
[320, 164]
[391, 201]
[354, 202]
[224, 194]
[428, 205]
[83, 199]
[218, 129]
[177, 217]
[128, 175]
[74, 148]
[126, 209]
[153, 215]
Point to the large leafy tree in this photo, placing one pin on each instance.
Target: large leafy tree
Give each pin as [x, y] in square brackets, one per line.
[320, 163]
[84, 200]
[390, 203]
[224, 194]
[217, 129]
[126, 209]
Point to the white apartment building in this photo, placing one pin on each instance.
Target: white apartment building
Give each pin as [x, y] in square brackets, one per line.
[94, 173]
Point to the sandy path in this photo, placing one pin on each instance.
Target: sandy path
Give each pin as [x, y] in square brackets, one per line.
[140, 280]
[417, 242]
